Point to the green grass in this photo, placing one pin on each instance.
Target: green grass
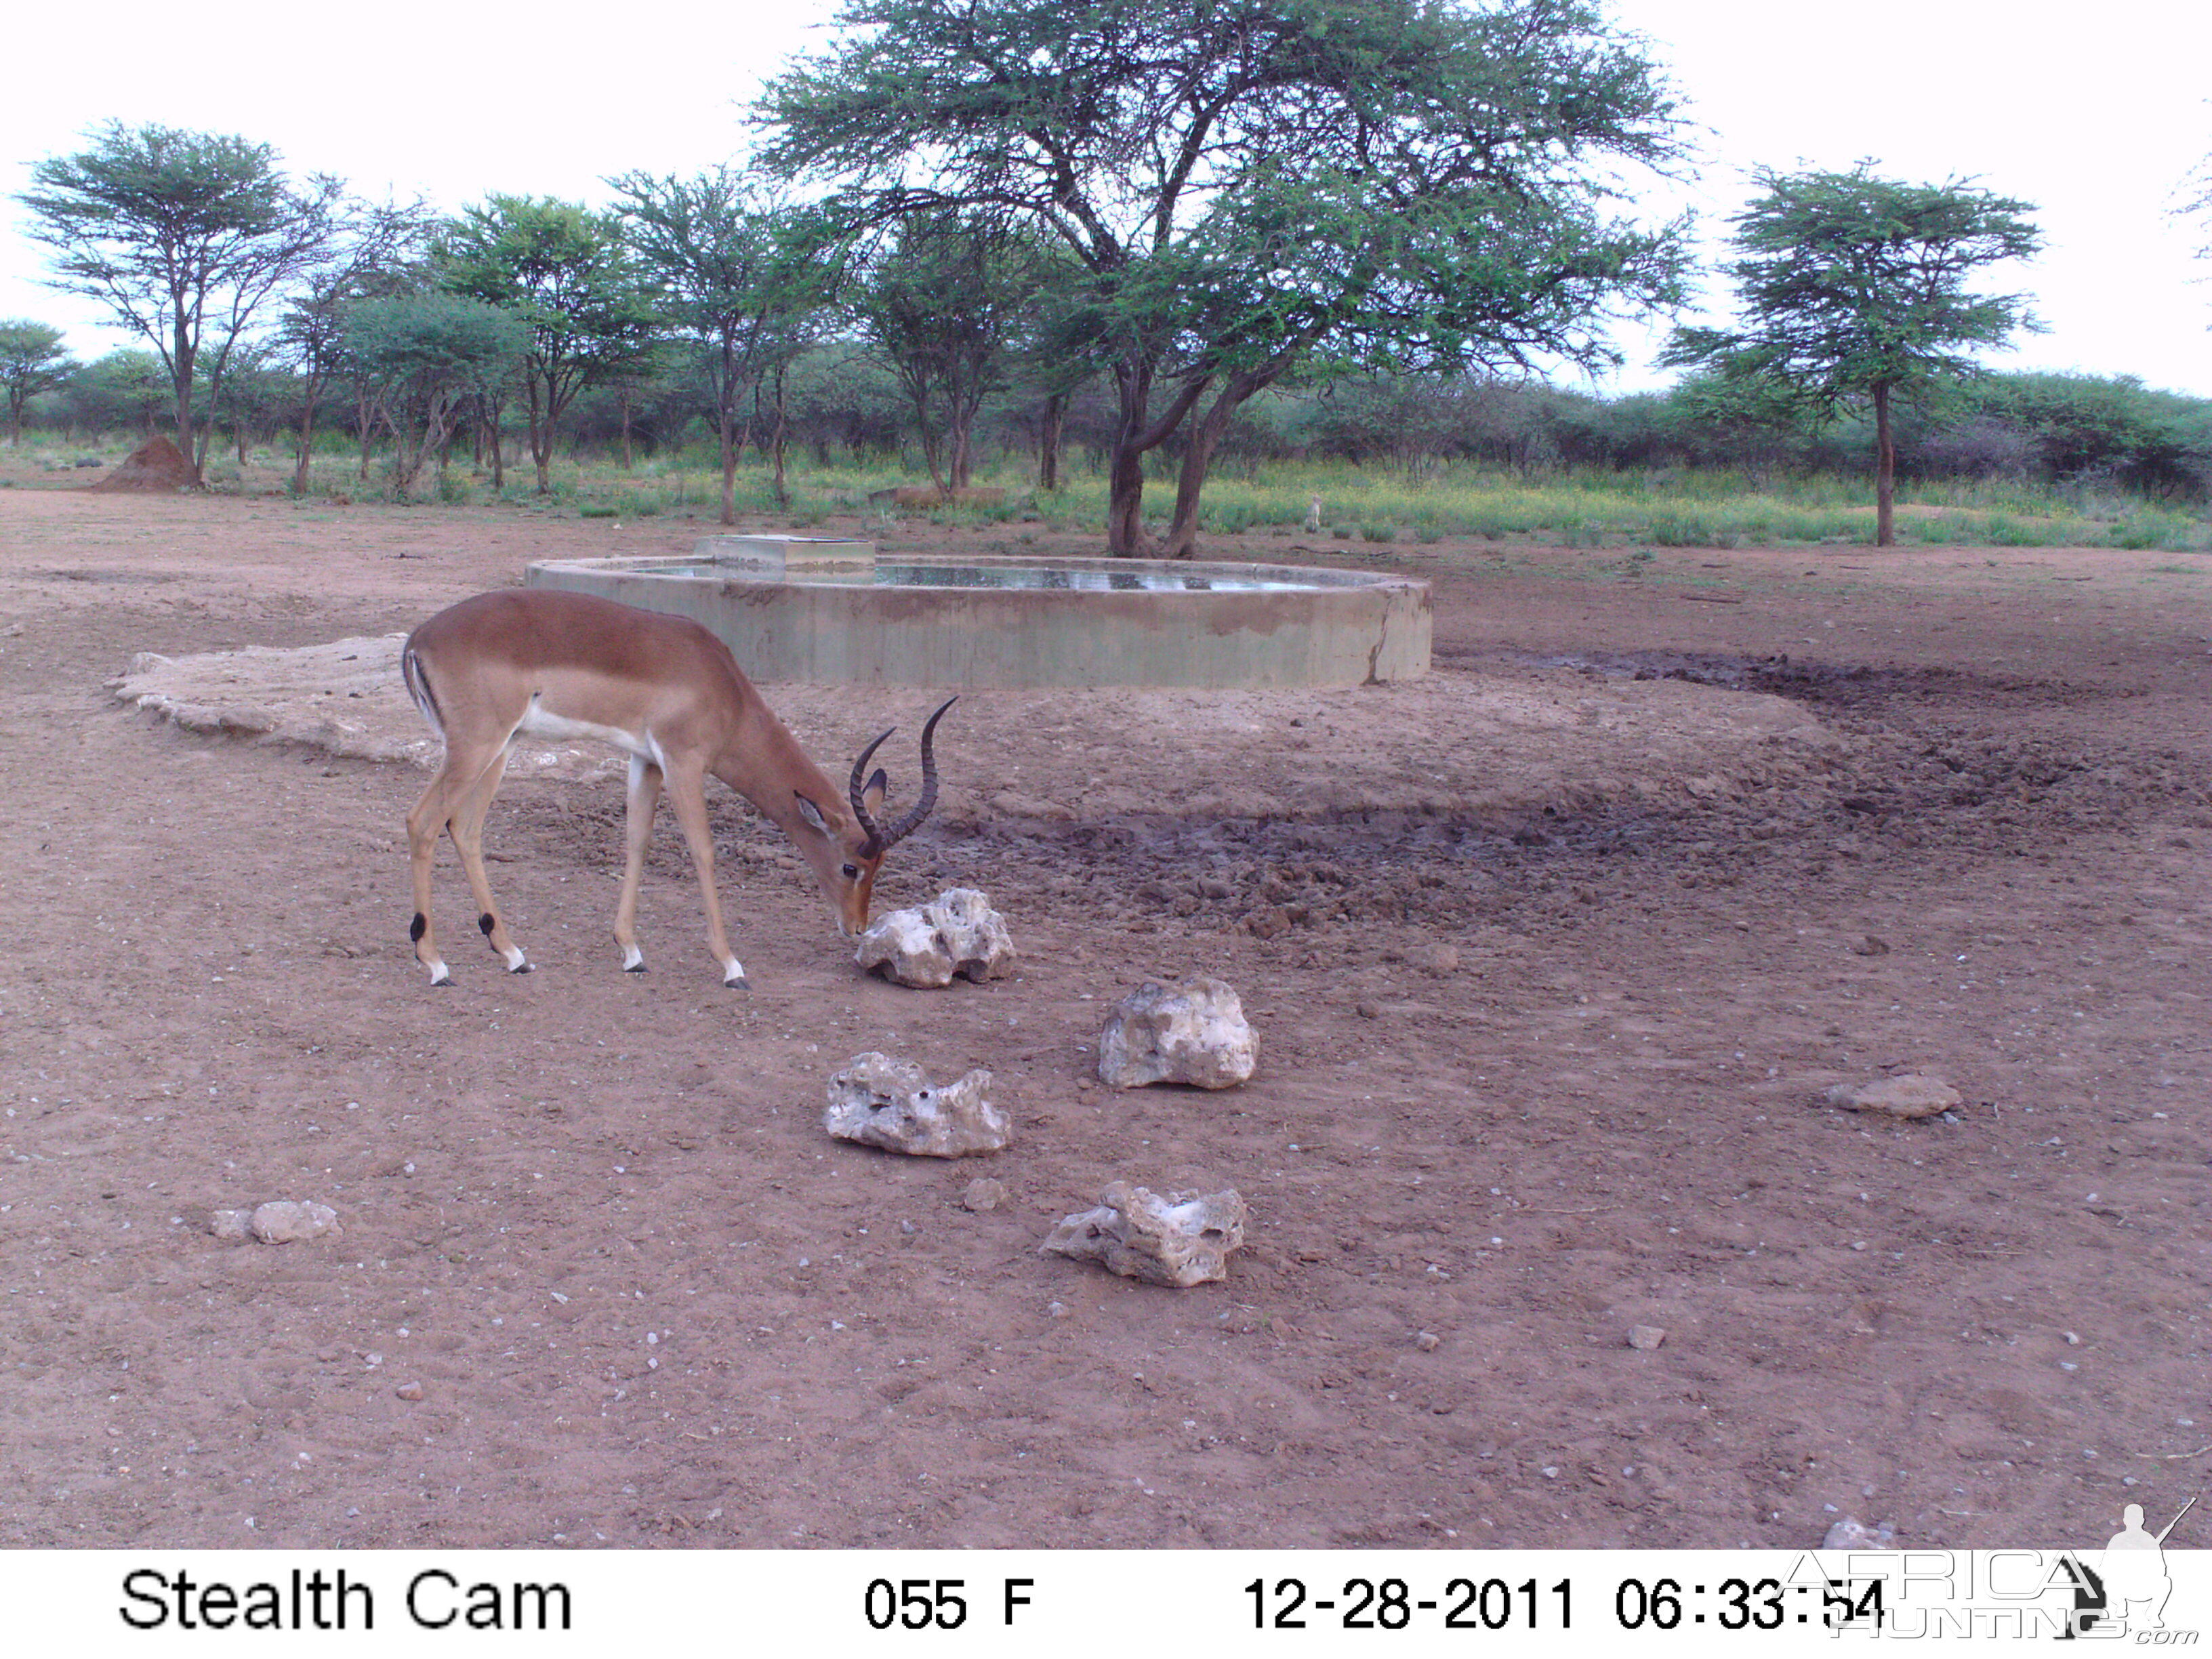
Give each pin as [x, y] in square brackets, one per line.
[1376, 506]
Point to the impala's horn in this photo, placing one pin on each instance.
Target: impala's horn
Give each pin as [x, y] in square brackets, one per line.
[882, 841]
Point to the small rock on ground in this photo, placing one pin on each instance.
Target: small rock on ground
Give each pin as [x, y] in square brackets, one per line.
[1908, 1096]
[957, 933]
[1646, 1337]
[288, 1221]
[881, 1101]
[1195, 1034]
[1181, 1240]
[1851, 1534]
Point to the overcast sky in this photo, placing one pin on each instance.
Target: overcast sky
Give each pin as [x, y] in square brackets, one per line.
[2095, 114]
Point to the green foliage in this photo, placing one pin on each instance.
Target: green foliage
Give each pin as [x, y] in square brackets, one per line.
[1854, 289]
[2084, 427]
[1850, 283]
[565, 273]
[943, 304]
[123, 390]
[1242, 186]
[376, 251]
[183, 235]
[748, 276]
[33, 360]
[424, 356]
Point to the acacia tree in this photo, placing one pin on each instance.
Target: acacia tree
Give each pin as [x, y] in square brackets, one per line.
[371, 256]
[32, 359]
[1396, 184]
[944, 305]
[563, 271]
[124, 388]
[747, 276]
[1853, 292]
[256, 393]
[184, 236]
[425, 356]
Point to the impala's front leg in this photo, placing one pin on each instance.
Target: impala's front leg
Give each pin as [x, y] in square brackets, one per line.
[687, 790]
[637, 830]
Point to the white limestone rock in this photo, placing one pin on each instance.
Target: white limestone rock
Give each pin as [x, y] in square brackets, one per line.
[1852, 1534]
[234, 1225]
[288, 1221]
[892, 1104]
[1181, 1240]
[956, 932]
[1194, 1034]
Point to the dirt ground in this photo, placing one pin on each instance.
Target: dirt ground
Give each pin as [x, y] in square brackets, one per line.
[1553, 956]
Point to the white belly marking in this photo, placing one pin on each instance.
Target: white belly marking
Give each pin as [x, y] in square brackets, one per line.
[536, 722]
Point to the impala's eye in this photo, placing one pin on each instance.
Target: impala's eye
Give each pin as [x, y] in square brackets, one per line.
[852, 873]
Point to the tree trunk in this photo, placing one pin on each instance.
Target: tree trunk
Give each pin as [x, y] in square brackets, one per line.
[628, 466]
[1125, 501]
[963, 405]
[783, 495]
[182, 355]
[364, 418]
[961, 467]
[1205, 438]
[306, 458]
[1885, 471]
[933, 447]
[1125, 479]
[731, 444]
[1048, 430]
[541, 442]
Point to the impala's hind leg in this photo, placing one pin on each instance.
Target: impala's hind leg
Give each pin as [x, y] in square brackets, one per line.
[425, 825]
[637, 830]
[468, 823]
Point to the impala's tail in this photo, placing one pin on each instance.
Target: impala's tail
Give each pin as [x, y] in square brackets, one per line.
[418, 687]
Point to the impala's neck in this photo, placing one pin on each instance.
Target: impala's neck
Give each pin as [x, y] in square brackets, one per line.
[764, 763]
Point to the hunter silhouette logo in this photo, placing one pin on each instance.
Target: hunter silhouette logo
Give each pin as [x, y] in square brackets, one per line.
[2128, 1589]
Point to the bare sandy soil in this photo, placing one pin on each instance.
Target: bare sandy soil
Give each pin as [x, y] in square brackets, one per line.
[1553, 956]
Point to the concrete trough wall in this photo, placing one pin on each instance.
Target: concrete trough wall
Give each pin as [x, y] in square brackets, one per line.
[1338, 628]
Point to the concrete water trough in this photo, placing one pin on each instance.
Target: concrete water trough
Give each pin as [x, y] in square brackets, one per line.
[797, 609]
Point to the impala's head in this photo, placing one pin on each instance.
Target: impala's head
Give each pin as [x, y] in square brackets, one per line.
[846, 853]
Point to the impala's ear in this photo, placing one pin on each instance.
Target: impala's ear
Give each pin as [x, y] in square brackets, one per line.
[812, 813]
[873, 794]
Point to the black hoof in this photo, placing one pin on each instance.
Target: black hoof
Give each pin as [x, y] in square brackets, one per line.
[740, 983]
[525, 968]
[634, 967]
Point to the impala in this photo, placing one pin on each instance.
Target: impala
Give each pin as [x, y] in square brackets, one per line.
[533, 662]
